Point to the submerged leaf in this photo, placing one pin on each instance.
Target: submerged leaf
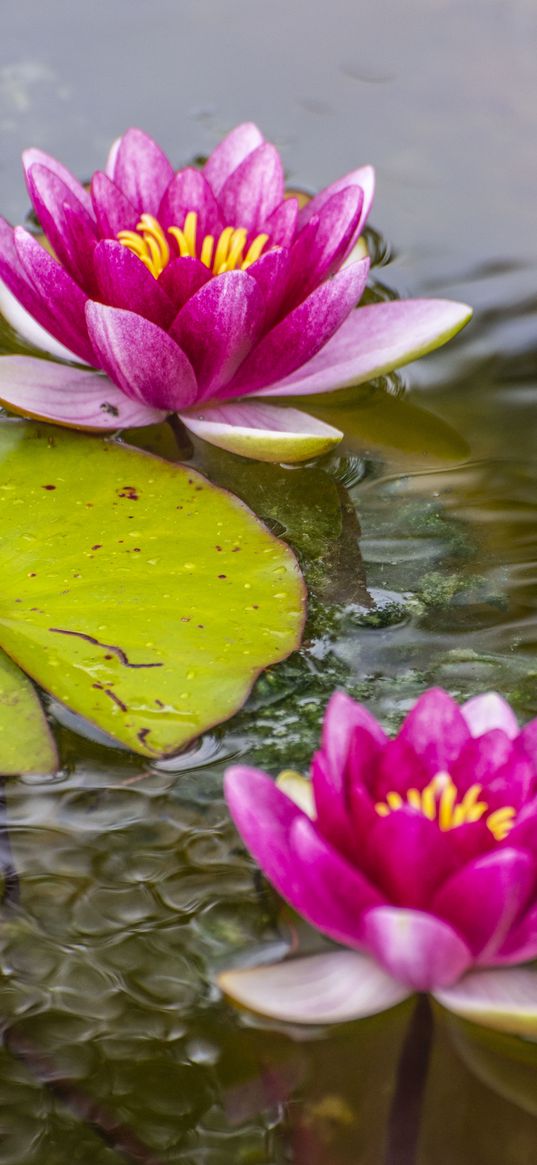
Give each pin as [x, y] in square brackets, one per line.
[139, 594]
[26, 744]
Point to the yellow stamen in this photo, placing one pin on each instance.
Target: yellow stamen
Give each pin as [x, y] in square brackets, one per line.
[438, 802]
[207, 250]
[254, 251]
[222, 248]
[189, 230]
[181, 241]
[237, 247]
[501, 822]
[150, 244]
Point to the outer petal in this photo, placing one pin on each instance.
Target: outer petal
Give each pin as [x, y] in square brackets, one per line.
[503, 1000]
[66, 222]
[484, 899]
[304, 331]
[230, 152]
[364, 178]
[266, 433]
[264, 817]
[34, 157]
[521, 943]
[334, 894]
[329, 988]
[374, 340]
[419, 950]
[141, 170]
[141, 358]
[482, 713]
[217, 327]
[63, 301]
[28, 328]
[254, 189]
[190, 190]
[68, 396]
[113, 210]
[123, 281]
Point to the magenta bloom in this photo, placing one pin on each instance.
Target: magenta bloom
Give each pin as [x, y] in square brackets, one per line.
[420, 852]
[196, 289]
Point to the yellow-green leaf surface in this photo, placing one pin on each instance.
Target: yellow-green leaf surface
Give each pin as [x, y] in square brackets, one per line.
[26, 745]
[138, 593]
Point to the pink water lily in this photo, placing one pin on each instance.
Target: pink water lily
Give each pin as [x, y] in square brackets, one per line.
[194, 291]
[417, 853]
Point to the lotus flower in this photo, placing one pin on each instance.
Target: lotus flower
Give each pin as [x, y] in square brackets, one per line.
[418, 853]
[193, 291]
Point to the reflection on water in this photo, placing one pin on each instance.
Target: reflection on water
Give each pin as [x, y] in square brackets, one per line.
[133, 886]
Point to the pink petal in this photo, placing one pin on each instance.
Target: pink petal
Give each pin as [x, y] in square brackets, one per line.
[503, 1000]
[304, 331]
[281, 224]
[351, 743]
[113, 210]
[141, 170]
[28, 328]
[123, 281]
[230, 152]
[333, 895]
[364, 178]
[67, 224]
[490, 711]
[141, 358]
[264, 816]
[328, 988]
[408, 857]
[520, 945]
[436, 730]
[34, 157]
[182, 278]
[63, 301]
[399, 769]
[321, 247]
[254, 190]
[270, 273]
[484, 899]
[420, 951]
[55, 392]
[254, 429]
[190, 190]
[217, 327]
[342, 719]
[374, 340]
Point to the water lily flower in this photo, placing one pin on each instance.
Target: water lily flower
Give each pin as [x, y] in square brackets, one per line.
[417, 853]
[194, 291]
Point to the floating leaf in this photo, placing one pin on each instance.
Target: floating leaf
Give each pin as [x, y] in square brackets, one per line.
[26, 745]
[139, 594]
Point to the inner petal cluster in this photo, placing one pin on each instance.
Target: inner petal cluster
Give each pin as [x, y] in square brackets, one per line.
[230, 251]
[439, 802]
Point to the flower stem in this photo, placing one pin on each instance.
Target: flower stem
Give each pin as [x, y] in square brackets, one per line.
[404, 1121]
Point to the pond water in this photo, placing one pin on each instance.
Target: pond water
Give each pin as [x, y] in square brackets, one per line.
[131, 886]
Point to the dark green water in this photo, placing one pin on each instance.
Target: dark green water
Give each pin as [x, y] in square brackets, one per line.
[133, 886]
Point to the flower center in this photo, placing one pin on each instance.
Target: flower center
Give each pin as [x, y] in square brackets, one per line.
[225, 253]
[438, 802]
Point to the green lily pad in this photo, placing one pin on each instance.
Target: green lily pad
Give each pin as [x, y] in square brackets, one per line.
[138, 593]
[26, 745]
